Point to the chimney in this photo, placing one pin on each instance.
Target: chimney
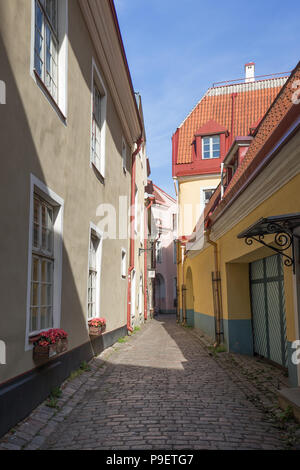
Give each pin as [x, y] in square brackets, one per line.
[250, 72]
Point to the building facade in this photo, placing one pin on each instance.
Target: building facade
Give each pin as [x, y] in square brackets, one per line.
[164, 213]
[71, 130]
[238, 271]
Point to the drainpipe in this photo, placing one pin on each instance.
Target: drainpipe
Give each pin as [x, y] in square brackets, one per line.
[183, 299]
[233, 97]
[216, 287]
[132, 216]
[152, 199]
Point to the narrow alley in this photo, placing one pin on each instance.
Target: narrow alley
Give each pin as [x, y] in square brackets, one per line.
[160, 389]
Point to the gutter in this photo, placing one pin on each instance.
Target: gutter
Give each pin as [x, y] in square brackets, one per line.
[268, 158]
[183, 288]
[116, 22]
[217, 292]
[132, 238]
[233, 97]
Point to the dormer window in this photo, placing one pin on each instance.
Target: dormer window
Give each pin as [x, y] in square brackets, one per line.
[211, 147]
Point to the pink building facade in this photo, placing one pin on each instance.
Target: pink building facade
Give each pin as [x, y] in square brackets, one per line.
[164, 216]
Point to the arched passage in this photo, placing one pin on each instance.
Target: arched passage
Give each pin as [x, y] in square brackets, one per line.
[189, 298]
[160, 293]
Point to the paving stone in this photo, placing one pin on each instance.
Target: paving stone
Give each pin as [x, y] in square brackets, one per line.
[163, 390]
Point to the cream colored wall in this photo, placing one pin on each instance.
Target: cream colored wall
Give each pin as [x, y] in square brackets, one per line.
[35, 140]
[191, 203]
[232, 249]
[235, 256]
[201, 267]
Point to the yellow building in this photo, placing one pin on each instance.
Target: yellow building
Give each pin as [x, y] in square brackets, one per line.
[238, 273]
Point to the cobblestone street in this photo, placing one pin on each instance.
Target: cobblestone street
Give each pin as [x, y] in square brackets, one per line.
[161, 389]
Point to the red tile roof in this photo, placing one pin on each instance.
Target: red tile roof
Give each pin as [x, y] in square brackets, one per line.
[251, 103]
[268, 132]
[160, 193]
[211, 127]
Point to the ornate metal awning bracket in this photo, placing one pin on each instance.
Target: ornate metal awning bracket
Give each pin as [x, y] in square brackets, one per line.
[283, 238]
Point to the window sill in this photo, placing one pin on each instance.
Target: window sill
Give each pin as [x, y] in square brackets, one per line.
[32, 338]
[49, 96]
[211, 158]
[97, 173]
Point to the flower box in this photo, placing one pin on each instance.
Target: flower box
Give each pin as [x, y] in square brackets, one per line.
[96, 330]
[44, 352]
[97, 326]
[49, 343]
[62, 346]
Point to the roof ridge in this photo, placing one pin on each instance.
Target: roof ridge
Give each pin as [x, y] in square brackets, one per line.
[248, 87]
[231, 83]
[160, 189]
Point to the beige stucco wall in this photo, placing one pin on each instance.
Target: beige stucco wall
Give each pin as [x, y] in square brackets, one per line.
[191, 204]
[35, 140]
[141, 182]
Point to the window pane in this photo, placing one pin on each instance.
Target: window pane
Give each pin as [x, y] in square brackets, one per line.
[44, 319]
[51, 12]
[49, 295]
[35, 269]
[34, 294]
[36, 222]
[49, 317]
[97, 105]
[44, 277]
[46, 54]
[44, 294]
[38, 42]
[34, 319]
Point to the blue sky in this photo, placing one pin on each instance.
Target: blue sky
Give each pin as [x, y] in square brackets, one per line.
[176, 49]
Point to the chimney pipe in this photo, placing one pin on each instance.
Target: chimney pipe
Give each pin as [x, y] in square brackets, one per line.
[250, 72]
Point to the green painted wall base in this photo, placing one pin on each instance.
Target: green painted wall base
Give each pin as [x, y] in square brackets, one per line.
[168, 311]
[237, 337]
[292, 368]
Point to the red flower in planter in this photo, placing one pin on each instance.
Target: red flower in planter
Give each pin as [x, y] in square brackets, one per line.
[97, 322]
[51, 336]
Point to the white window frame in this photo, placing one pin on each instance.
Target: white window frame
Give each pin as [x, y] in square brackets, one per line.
[96, 232]
[133, 294]
[203, 194]
[210, 137]
[38, 187]
[99, 83]
[61, 101]
[42, 254]
[141, 291]
[124, 155]
[142, 227]
[136, 196]
[123, 263]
